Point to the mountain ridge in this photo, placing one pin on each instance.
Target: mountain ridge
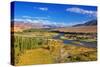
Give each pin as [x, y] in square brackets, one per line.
[88, 23]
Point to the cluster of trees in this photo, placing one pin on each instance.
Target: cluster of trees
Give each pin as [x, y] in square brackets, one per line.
[27, 42]
[37, 30]
[81, 36]
[21, 44]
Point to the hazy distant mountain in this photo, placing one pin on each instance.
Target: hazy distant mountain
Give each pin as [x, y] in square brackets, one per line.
[88, 27]
[89, 23]
[52, 26]
[27, 25]
[21, 24]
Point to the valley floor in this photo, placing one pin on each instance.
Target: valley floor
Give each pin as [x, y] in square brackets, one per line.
[43, 48]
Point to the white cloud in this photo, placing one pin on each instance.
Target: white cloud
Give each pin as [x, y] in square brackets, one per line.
[41, 8]
[30, 17]
[24, 20]
[18, 19]
[41, 18]
[33, 20]
[82, 11]
[27, 17]
[42, 21]
[28, 20]
[37, 19]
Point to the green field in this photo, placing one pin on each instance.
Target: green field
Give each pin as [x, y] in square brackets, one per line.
[39, 47]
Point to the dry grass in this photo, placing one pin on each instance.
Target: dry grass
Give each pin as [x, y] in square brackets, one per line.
[83, 29]
[35, 56]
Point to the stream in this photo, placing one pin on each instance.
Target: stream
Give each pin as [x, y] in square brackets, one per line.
[82, 43]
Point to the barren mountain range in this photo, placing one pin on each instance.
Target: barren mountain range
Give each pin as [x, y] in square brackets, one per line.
[90, 26]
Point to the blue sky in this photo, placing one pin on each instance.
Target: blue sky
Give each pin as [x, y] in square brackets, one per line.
[59, 14]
